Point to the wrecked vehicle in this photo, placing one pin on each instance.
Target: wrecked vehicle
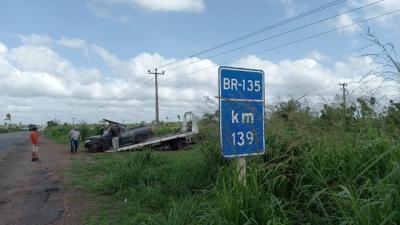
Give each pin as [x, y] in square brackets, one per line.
[100, 143]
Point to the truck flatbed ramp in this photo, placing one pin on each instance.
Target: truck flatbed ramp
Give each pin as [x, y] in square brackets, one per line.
[156, 141]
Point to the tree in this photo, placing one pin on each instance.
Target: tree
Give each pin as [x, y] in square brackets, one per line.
[8, 118]
[386, 57]
[366, 107]
[393, 112]
[51, 123]
[291, 108]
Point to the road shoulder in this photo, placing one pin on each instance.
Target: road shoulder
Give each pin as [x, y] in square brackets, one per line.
[39, 192]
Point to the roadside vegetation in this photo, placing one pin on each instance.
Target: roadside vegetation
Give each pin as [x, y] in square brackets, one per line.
[338, 166]
[59, 133]
[10, 130]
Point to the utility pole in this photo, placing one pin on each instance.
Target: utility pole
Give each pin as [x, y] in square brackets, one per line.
[344, 102]
[156, 83]
[344, 93]
[73, 121]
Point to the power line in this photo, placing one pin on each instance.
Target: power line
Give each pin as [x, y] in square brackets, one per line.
[140, 81]
[310, 12]
[129, 94]
[240, 38]
[284, 45]
[293, 42]
[276, 35]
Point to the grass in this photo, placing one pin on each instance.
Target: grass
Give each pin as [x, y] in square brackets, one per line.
[347, 172]
[334, 186]
[10, 130]
[59, 133]
[148, 185]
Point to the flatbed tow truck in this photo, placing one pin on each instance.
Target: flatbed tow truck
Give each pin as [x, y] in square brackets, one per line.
[174, 141]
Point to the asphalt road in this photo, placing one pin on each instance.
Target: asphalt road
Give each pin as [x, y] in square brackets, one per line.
[8, 140]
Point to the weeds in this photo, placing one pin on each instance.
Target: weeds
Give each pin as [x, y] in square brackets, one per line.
[318, 170]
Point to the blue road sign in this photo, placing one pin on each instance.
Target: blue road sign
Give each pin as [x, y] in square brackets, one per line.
[241, 105]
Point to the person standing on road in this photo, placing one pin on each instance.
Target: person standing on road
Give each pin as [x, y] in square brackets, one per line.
[34, 135]
[115, 133]
[74, 136]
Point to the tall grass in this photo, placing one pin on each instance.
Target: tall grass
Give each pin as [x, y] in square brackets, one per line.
[157, 186]
[328, 170]
[59, 133]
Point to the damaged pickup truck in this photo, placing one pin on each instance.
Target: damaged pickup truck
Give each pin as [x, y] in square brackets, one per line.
[103, 142]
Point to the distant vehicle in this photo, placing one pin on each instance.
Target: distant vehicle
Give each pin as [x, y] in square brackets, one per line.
[100, 143]
[31, 126]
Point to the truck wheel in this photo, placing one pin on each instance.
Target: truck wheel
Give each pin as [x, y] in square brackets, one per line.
[92, 149]
[95, 148]
[140, 138]
[176, 145]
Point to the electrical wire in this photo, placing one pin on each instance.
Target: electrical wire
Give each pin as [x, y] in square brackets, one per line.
[291, 42]
[280, 46]
[270, 27]
[276, 35]
[243, 37]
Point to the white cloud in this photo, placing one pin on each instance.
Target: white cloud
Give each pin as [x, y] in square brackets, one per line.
[31, 84]
[389, 21]
[374, 9]
[309, 77]
[169, 5]
[37, 58]
[314, 54]
[37, 82]
[116, 9]
[35, 72]
[36, 39]
[3, 48]
[104, 9]
[345, 20]
[73, 43]
[291, 7]
[385, 5]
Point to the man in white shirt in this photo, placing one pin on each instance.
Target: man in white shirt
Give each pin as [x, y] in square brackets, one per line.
[74, 136]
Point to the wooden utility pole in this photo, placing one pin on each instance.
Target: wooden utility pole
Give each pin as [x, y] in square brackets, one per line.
[344, 93]
[73, 121]
[156, 84]
[241, 167]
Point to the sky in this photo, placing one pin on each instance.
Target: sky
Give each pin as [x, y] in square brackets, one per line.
[88, 59]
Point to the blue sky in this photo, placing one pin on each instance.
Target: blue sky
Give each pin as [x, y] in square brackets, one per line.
[115, 40]
[171, 34]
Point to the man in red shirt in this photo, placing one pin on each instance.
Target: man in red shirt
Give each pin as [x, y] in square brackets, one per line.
[35, 144]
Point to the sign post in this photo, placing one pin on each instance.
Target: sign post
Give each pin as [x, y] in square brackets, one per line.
[241, 118]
